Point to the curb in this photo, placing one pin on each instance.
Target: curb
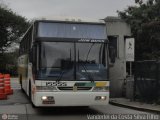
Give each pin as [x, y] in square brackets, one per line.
[134, 107]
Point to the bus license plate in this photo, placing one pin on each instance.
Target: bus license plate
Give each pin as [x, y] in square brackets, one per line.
[48, 102]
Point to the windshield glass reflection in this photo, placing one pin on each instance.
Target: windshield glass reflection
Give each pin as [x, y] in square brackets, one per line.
[57, 61]
[90, 58]
[70, 61]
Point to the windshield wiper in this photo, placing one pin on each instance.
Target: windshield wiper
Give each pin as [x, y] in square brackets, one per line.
[60, 77]
[85, 68]
[89, 51]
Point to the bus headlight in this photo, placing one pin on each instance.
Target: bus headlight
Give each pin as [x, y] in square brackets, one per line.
[44, 97]
[101, 89]
[46, 88]
[48, 100]
[103, 98]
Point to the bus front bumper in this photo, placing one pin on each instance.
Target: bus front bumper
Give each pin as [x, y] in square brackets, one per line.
[70, 98]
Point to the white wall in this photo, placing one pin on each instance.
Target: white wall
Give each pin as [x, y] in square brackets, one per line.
[117, 27]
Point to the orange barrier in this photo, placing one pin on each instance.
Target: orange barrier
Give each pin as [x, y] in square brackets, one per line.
[7, 84]
[2, 89]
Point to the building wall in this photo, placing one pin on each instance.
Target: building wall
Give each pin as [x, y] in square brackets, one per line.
[120, 29]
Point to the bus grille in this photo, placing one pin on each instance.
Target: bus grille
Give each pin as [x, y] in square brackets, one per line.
[71, 88]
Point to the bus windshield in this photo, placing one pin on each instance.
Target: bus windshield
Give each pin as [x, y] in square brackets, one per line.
[72, 61]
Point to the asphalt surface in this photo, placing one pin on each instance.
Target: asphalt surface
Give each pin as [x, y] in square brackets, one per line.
[17, 106]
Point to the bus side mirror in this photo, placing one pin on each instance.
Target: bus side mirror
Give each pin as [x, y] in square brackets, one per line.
[112, 54]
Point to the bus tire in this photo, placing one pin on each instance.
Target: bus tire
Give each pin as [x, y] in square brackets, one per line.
[20, 82]
[30, 97]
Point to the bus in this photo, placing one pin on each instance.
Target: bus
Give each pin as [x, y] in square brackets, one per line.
[65, 63]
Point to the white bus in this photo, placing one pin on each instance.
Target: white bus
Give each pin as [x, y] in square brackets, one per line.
[65, 63]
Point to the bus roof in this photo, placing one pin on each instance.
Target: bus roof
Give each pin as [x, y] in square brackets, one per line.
[73, 21]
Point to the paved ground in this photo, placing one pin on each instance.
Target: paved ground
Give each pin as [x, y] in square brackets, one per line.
[135, 104]
[18, 107]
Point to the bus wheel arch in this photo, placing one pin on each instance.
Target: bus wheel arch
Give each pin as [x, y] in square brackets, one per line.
[30, 94]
